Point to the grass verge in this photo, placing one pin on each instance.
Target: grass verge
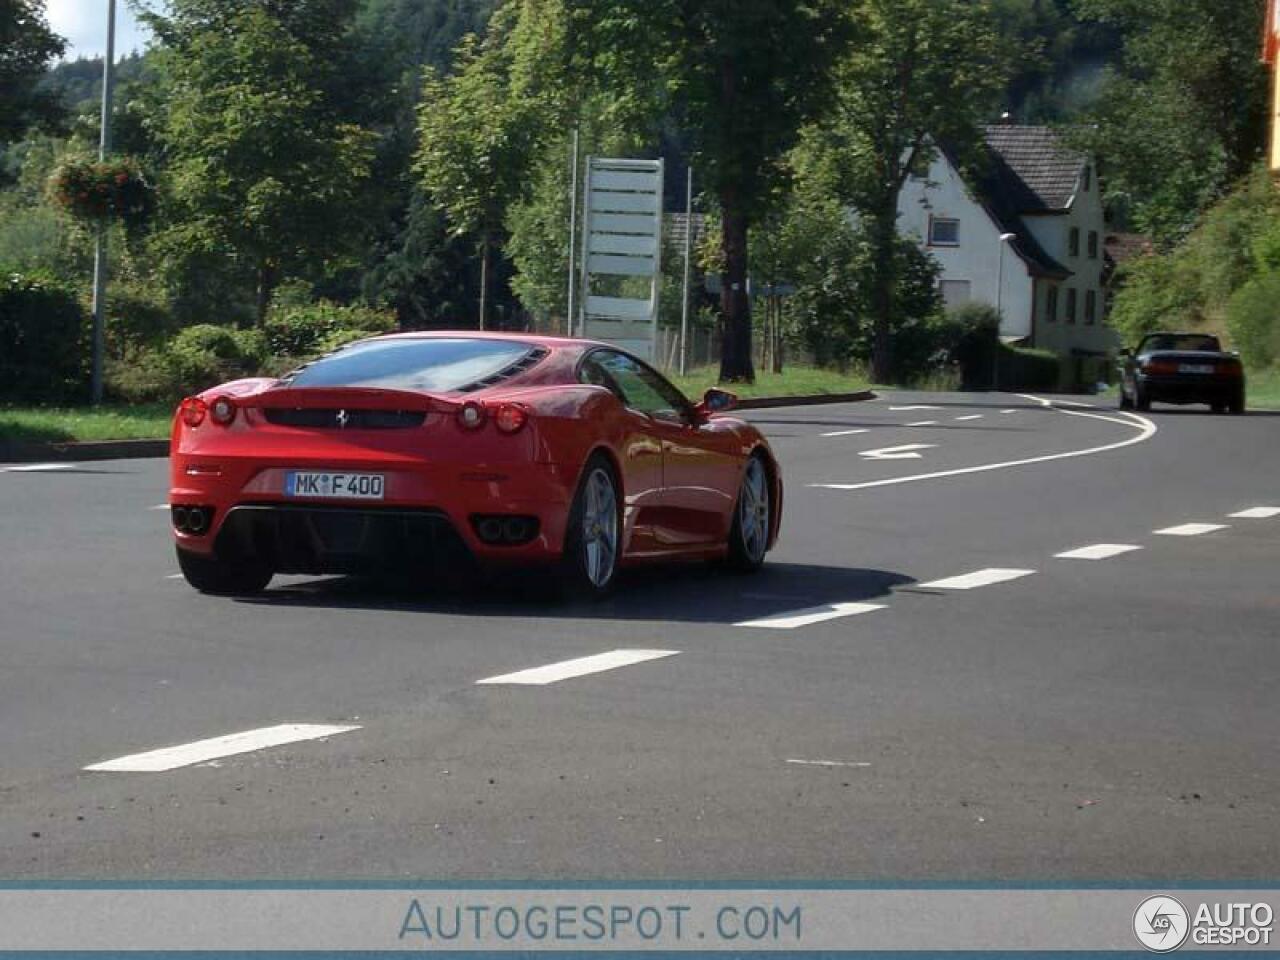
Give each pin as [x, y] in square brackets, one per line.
[1263, 388]
[792, 382]
[69, 424]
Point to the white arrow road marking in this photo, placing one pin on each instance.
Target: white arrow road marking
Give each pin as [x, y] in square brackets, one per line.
[1191, 530]
[914, 406]
[979, 578]
[201, 751]
[844, 433]
[1257, 513]
[804, 618]
[907, 452]
[581, 667]
[1146, 429]
[1099, 551]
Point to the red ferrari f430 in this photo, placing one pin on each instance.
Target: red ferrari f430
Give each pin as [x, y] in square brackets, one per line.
[427, 449]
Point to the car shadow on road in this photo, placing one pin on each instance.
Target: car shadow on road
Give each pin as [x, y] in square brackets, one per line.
[685, 593]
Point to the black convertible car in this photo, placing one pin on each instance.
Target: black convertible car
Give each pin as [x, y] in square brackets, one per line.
[1182, 368]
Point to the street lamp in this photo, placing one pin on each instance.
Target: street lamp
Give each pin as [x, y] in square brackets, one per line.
[1005, 240]
[100, 247]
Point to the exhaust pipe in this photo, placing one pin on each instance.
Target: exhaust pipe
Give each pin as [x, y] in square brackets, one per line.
[197, 521]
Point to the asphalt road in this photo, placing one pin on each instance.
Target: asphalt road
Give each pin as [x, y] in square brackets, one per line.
[1061, 720]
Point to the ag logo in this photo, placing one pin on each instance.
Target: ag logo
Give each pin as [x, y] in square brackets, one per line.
[1161, 924]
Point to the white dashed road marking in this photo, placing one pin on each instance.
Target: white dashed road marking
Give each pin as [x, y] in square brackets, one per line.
[160, 506]
[914, 406]
[202, 751]
[923, 423]
[581, 667]
[828, 763]
[804, 618]
[979, 578]
[844, 433]
[40, 467]
[1099, 551]
[1191, 530]
[1257, 513]
[906, 452]
[976, 416]
[1008, 411]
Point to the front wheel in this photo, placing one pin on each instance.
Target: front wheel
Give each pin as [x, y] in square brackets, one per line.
[749, 535]
[591, 545]
[222, 578]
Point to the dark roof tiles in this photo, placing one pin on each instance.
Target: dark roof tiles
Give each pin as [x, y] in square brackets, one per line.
[1033, 171]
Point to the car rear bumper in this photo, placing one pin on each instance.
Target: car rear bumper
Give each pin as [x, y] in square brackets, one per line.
[1185, 390]
[431, 513]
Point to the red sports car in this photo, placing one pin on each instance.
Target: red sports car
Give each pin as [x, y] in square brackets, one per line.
[424, 449]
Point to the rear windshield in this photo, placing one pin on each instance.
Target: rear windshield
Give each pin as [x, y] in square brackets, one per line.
[1170, 341]
[435, 365]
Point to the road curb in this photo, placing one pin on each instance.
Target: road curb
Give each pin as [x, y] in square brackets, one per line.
[810, 400]
[19, 451]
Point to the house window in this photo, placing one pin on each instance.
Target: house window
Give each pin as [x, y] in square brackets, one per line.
[1073, 244]
[1090, 308]
[955, 293]
[1051, 307]
[1088, 178]
[944, 233]
[1071, 305]
[1093, 244]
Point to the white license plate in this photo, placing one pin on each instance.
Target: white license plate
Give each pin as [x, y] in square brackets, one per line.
[329, 485]
[1196, 368]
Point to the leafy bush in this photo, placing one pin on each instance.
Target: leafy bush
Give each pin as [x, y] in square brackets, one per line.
[142, 375]
[42, 355]
[1253, 317]
[205, 355]
[137, 316]
[1022, 369]
[310, 329]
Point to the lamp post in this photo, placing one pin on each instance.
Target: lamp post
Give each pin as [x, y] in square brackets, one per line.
[100, 248]
[1005, 240]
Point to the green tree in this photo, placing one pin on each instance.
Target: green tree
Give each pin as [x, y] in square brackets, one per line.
[26, 46]
[923, 72]
[740, 78]
[264, 168]
[1183, 114]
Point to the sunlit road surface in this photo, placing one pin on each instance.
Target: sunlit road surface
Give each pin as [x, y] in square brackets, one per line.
[1000, 641]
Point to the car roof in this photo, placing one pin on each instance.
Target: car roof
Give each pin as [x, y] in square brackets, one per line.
[549, 341]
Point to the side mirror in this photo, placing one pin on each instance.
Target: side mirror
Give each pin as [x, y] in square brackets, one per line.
[715, 401]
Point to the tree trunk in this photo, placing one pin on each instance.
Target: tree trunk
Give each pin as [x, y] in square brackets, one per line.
[883, 289]
[484, 282]
[268, 278]
[735, 357]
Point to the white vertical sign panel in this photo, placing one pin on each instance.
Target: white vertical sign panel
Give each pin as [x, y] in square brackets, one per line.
[622, 253]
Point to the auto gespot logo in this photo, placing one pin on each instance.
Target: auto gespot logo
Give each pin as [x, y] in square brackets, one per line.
[1162, 924]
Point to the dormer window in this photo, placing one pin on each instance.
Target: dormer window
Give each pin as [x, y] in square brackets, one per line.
[944, 232]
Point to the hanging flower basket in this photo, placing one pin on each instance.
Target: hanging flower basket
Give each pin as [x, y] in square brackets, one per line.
[100, 191]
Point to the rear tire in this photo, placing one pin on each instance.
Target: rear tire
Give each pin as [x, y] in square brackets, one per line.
[752, 519]
[594, 535]
[221, 578]
[1141, 399]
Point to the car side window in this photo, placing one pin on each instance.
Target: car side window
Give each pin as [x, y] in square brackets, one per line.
[642, 389]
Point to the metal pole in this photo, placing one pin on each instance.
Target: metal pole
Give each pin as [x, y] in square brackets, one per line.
[573, 230]
[688, 260]
[100, 248]
[584, 283]
[995, 363]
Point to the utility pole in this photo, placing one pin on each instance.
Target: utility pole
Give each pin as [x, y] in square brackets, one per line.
[100, 248]
[573, 229]
[688, 260]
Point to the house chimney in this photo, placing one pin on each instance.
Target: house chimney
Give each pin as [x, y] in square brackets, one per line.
[1007, 119]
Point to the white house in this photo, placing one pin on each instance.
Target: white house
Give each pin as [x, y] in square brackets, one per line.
[1046, 274]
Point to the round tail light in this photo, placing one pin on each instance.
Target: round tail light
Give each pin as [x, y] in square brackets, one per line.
[193, 411]
[222, 411]
[471, 415]
[510, 418]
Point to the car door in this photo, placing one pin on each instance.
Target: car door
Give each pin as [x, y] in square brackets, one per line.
[700, 463]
